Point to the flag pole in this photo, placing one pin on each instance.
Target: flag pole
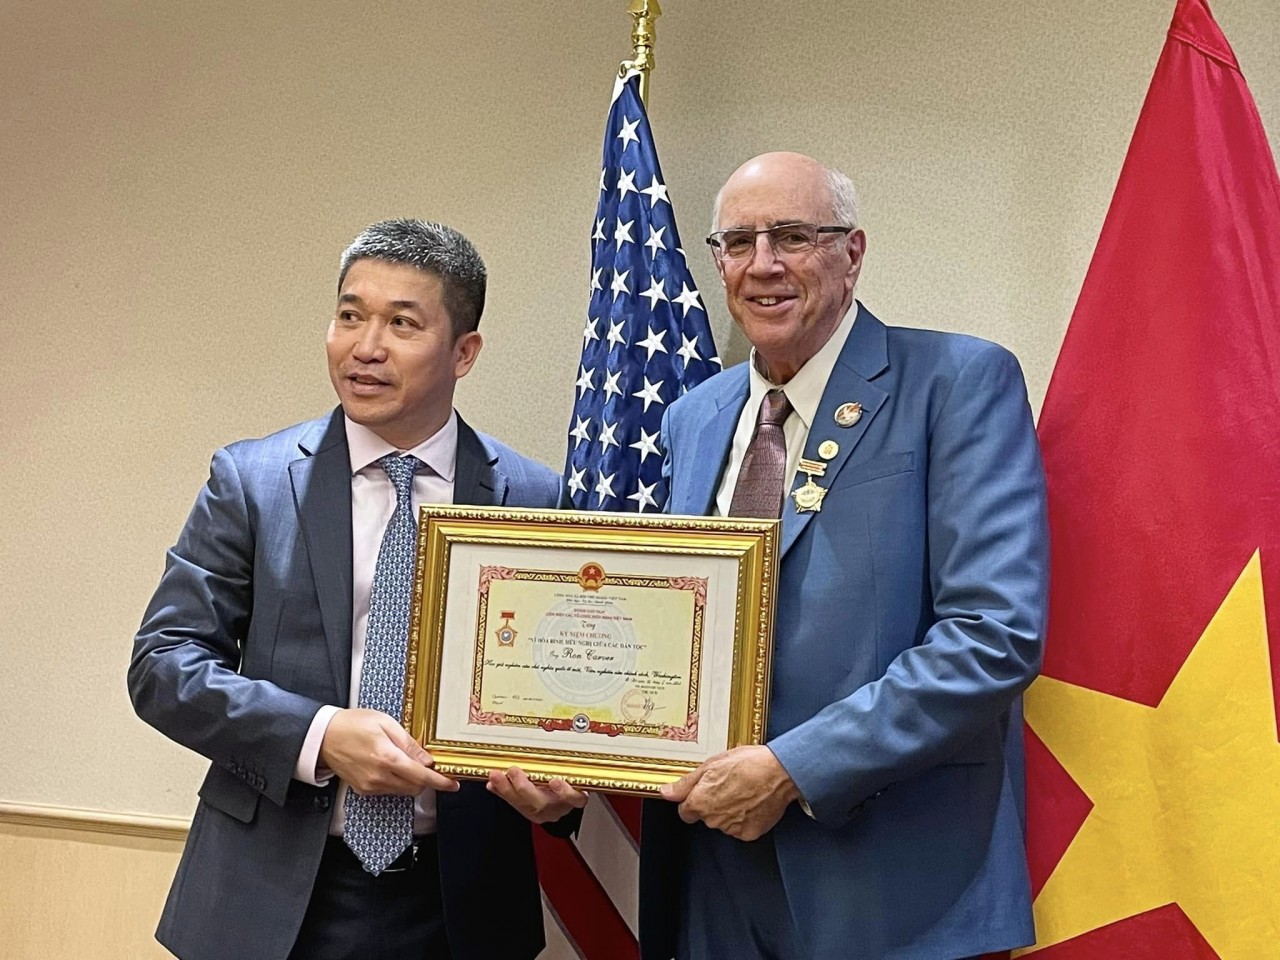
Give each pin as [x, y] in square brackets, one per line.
[643, 36]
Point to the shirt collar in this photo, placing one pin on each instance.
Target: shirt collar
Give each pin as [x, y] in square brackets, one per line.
[805, 389]
[439, 451]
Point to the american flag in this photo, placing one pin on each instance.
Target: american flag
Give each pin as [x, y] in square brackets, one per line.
[646, 341]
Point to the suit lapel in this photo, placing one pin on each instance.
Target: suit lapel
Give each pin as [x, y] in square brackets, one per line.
[322, 496]
[864, 357]
[711, 452]
[476, 478]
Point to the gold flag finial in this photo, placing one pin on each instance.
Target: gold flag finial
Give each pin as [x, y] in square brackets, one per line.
[644, 12]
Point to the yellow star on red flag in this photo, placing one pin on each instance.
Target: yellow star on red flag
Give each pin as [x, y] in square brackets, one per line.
[1186, 794]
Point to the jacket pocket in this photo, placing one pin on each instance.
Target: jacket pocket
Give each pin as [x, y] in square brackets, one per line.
[888, 465]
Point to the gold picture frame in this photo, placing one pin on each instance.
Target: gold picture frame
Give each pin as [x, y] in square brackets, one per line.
[616, 651]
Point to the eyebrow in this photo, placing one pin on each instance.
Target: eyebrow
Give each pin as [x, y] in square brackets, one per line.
[394, 304]
[788, 222]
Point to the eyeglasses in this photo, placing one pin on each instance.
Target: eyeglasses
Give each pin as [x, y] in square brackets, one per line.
[787, 238]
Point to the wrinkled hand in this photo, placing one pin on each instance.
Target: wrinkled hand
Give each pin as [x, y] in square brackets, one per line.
[538, 803]
[742, 792]
[374, 755]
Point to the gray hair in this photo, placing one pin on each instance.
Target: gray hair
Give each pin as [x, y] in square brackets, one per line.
[435, 249]
[844, 199]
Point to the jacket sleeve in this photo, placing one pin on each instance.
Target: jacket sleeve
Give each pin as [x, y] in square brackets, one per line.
[184, 675]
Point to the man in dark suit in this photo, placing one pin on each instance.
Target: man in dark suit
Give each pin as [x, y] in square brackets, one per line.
[881, 820]
[275, 642]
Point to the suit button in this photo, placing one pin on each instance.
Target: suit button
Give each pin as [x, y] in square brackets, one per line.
[322, 802]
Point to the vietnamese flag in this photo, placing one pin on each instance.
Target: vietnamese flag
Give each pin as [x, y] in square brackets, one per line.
[1152, 758]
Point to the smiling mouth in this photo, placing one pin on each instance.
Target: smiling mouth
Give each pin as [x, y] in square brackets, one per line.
[769, 301]
[365, 386]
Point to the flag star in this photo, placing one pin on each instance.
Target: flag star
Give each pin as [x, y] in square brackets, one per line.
[603, 171]
[606, 437]
[576, 486]
[599, 234]
[622, 233]
[628, 132]
[579, 432]
[653, 342]
[716, 360]
[657, 291]
[1175, 791]
[644, 495]
[611, 385]
[649, 393]
[595, 278]
[646, 445]
[688, 299]
[589, 332]
[689, 349]
[619, 284]
[626, 182]
[604, 487]
[656, 191]
[585, 380]
[615, 333]
[655, 242]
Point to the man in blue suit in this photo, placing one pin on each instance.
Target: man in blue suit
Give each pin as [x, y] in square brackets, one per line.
[881, 820]
[275, 643]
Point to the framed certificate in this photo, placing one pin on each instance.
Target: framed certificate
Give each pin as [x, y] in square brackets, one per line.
[617, 651]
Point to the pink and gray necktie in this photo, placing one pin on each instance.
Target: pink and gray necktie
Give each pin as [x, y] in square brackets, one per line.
[758, 492]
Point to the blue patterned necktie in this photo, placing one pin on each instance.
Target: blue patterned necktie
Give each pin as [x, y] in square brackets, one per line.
[379, 828]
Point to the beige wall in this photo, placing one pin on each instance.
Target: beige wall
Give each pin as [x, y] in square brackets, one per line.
[78, 887]
[179, 178]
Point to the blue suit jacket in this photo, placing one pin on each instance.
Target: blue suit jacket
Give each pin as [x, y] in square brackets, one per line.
[910, 615]
[248, 634]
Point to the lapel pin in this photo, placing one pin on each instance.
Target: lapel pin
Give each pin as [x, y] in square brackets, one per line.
[809, 497]
[828, 449]
[847, 414]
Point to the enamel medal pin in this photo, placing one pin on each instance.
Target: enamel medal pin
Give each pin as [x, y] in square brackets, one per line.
[809, 497]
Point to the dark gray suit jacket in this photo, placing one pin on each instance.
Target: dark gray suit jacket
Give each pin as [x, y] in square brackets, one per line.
[248, 634]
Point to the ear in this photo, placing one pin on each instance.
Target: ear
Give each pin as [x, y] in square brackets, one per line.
[720, 270]
[465, 350]
[855, 243]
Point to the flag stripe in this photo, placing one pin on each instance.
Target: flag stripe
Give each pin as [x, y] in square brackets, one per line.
[626, 811]
[580, 903]
[609, 853]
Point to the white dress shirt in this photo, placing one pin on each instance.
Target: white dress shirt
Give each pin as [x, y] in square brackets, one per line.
[373, 501]
[804, 390]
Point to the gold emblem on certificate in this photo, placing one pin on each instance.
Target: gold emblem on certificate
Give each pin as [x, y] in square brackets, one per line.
[591, 576]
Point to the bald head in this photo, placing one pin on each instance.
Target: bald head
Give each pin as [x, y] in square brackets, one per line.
[787, 295]
[838, 195]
